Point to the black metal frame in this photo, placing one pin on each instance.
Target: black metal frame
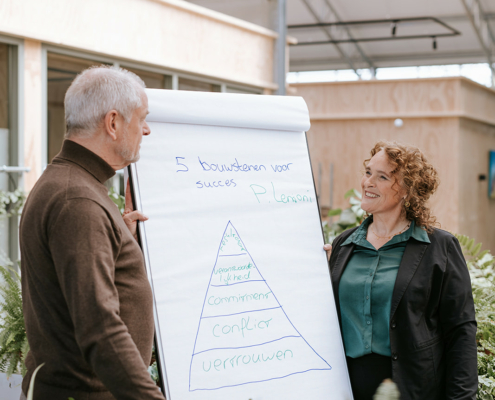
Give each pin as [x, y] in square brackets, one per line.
[394, 22]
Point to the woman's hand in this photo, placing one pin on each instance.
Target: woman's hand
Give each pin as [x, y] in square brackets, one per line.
[326, 247]
[131, 216]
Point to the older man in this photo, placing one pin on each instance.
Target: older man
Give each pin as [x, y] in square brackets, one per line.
[87, 301]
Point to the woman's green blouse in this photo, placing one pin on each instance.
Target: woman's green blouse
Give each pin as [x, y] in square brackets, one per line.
[366, 288]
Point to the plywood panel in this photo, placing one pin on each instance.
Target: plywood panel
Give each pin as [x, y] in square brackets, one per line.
[477, 216]
[477, 101]
[347, 144]
[401, 97]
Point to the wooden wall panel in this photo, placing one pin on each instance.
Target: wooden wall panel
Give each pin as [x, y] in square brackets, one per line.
[375, 98]
[347, 144]
[477, 101]
[477, 211]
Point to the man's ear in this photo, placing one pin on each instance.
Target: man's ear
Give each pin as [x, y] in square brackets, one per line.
[111, 124]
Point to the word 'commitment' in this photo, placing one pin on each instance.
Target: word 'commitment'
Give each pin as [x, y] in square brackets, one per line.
[241, 298]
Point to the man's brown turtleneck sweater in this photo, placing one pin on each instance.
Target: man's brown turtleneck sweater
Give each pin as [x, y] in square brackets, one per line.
[87, 300]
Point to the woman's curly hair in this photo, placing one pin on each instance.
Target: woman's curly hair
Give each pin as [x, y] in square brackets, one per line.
[416, 175]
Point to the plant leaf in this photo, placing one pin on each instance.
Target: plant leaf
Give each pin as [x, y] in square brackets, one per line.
[334, 212]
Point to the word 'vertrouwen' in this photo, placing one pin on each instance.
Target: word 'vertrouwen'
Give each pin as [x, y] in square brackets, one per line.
[232, 362]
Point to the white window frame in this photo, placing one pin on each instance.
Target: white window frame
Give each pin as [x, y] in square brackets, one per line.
[16, 126]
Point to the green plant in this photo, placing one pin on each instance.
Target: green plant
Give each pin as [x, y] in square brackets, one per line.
[153, 368]
[153, 371]
[11, 203]
[13, 341]
[348, 218]
[481, 268]
[118, 199]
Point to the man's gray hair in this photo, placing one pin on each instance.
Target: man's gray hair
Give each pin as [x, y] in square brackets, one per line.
[95, 92]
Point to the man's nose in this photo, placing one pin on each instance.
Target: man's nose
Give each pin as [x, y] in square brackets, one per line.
[146, 129]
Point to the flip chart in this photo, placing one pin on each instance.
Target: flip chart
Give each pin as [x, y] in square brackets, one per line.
[244, 307]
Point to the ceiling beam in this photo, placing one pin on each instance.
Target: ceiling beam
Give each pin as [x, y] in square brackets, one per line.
[486, 37]
[330, 36]
[386, 60]
[361, 52]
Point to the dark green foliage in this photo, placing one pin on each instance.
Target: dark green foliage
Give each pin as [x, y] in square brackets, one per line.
[481, 269]
[13, 340]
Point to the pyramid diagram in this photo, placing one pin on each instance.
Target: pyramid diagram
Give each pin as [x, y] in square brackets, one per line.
[244, 335]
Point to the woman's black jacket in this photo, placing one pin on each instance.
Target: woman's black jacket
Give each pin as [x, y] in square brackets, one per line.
[432, 320]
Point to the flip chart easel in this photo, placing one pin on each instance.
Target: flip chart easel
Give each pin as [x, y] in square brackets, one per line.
[243, 301]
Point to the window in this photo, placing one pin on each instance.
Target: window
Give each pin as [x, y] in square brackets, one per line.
[63, 67]
[190, 84]
[62, 70]
[231, 89]
[152, 80]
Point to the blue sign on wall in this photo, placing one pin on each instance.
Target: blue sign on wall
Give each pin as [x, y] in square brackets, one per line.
[491, 176]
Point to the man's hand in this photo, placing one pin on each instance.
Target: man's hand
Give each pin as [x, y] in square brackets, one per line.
[326, 247]
[130, 216]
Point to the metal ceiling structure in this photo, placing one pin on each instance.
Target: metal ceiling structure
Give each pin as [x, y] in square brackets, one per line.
[340, 45]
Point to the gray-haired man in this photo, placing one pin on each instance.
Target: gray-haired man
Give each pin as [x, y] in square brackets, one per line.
[87, 301]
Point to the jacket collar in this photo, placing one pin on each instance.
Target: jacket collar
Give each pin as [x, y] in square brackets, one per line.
[86, 159]
[343, 257]
[413, 254]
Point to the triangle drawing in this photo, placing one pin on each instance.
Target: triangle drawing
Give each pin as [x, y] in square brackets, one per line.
[244, 335]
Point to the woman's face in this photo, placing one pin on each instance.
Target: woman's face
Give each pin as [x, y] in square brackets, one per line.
[378, 195]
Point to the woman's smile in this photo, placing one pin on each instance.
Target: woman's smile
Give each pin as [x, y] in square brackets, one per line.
[371, 195]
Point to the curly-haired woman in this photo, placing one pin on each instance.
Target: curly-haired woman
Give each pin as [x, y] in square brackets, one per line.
[402, 287]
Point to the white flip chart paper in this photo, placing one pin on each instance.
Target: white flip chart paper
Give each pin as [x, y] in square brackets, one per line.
[244, 307]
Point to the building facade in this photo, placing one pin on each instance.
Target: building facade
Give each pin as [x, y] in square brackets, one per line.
[170, 44]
